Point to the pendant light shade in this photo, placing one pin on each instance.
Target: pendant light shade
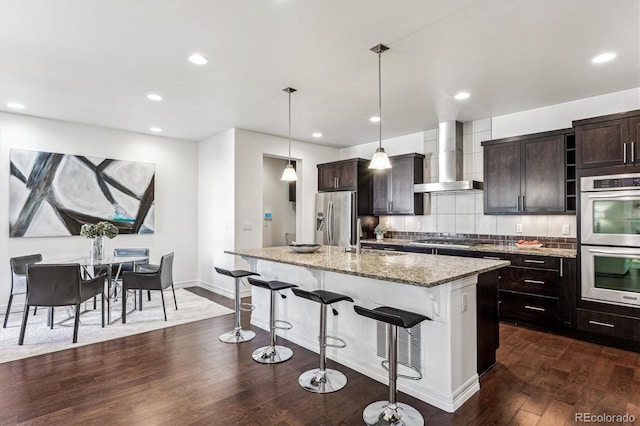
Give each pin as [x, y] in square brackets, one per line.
[289, 173]
[380, 160]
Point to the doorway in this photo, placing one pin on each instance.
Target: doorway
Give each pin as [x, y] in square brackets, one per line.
[278, 204]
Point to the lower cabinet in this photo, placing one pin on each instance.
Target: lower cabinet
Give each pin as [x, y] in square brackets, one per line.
[611, 325]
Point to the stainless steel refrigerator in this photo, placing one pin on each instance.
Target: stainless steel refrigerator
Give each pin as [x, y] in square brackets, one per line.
[336, 218]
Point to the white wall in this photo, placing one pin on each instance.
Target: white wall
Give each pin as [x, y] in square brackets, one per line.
[216, 214]
[560, 116]
[275, 199]
[250, 149]
[241, 171]
[175, 191]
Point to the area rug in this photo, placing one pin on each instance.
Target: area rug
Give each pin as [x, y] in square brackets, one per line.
[40, 339]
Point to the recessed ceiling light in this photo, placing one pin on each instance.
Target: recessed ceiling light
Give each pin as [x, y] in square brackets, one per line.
[317, 135]
[155, 129]
[604, 57]
[374, 119]
[462, 95]
[15, 105]
[198, 59]
[154, 97]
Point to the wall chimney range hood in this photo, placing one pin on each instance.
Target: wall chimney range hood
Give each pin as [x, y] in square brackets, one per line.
[450, 158]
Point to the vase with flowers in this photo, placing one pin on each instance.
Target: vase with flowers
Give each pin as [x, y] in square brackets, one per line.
[97, 232]
[380, 231]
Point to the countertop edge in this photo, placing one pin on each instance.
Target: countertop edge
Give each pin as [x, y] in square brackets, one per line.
[497, 264]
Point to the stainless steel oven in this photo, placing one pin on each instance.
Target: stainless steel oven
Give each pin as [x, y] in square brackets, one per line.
[610, 239]
[610, 210]
[611, 274]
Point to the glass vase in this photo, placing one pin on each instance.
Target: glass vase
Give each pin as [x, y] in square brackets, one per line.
[97, 249]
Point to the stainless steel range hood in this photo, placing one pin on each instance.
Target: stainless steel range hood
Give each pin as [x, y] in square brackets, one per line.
[450, 157]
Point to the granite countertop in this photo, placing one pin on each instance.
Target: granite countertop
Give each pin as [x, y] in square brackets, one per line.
[408, 268]
[490, 248]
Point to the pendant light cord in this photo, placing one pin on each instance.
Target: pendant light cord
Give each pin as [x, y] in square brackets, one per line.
[380, 96]
[289, 128]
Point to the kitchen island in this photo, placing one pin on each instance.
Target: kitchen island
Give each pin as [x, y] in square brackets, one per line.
[441, 287]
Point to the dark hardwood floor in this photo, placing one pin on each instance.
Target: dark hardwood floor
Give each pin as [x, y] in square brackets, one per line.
[185, 375]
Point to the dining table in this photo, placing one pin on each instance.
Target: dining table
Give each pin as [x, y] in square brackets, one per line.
[112, 265]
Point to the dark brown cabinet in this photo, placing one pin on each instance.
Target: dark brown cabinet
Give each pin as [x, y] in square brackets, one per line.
[526, 174]
[340, 175]
[393, 188]
[610, 140]
[348, 175]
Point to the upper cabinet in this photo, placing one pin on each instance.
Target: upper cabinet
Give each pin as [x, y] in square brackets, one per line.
[607, 141]
[527, 174]
[393, 188]
[348, 175]
[340, 175]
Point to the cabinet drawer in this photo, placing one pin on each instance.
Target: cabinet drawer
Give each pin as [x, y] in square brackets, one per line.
[532, 261]
[608, 324]
[538, 309]
[535, 281]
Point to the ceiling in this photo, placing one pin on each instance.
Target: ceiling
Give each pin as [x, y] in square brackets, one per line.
[94, 62]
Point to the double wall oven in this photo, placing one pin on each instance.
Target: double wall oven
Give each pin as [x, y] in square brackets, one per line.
[610, 239]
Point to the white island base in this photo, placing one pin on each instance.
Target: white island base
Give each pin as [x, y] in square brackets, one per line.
[447, 349]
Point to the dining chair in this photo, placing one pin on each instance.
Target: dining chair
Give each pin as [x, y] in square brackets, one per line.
[133, 266]
[149, 277]
[59, 285]
[19, 279]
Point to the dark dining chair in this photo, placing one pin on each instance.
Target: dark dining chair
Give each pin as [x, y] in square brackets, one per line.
[149, 277]
[133, 266]
[19, 279]
[60, 285]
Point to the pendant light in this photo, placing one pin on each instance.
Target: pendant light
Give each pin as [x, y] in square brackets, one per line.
[379, 161]
[289, 173]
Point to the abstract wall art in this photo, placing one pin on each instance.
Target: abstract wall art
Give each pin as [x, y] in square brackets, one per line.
[53, 194]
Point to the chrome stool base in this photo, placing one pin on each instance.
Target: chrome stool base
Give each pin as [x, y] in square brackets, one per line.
[237, 336]
[326, 381]
[381, 413]
[272, 354]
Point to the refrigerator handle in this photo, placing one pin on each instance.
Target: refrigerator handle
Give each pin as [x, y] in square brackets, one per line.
[330, 223]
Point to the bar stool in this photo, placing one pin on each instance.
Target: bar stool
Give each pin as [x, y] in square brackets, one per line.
[273, 354]
[392, 412]
[323, 379]
[237, 335]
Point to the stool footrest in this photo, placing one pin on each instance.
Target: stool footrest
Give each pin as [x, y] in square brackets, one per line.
[385, 365]
[287, 325]
[341, 345]
[247, 307]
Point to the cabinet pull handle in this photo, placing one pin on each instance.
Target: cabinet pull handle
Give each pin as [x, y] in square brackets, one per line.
[534, 282]
[561, 271]
[633, 152]
[624, 153]
[491, 258]
[518, 203]
[533, 261]
[534, 308]
[630, 297]
[523, 207]
[388, 249]
[391, 204]
[603, 324]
